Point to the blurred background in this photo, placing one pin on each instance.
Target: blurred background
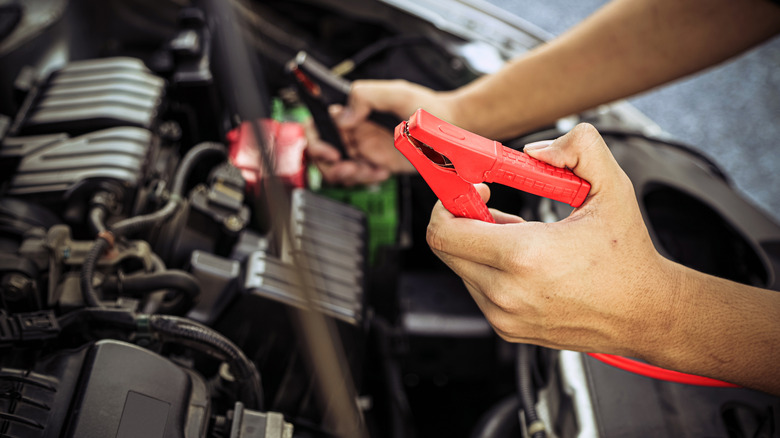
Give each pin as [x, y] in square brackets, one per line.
[729, 112]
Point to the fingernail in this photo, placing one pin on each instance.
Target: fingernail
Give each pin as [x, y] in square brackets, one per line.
[538, 145]
[335, 110]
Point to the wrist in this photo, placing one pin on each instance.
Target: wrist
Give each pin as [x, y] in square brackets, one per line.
[660, 315]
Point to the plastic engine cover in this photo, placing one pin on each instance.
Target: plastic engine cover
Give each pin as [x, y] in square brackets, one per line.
[131, 392]
[108, 388]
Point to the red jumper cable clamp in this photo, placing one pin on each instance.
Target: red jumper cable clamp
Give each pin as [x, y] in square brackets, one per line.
[452, 160]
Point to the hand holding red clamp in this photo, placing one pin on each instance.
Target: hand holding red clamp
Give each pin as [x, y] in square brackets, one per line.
[452, 160]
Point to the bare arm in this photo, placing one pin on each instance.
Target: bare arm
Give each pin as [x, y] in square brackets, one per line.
[725, 330]
[626, 47]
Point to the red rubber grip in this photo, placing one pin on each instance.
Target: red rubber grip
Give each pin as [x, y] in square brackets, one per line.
[468, 205]
[523, 172]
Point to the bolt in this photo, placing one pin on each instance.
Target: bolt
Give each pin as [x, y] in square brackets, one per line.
[170, 131]
[233, 223]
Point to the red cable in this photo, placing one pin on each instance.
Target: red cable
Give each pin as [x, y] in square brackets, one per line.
[647, 370]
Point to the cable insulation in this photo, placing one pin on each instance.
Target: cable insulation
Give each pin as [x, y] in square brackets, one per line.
[652, 371]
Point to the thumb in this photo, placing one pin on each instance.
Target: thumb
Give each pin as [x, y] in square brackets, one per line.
[584, 152]
[364, 96]
[484, 191]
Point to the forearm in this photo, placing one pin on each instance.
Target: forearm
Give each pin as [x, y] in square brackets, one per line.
[627, 47]
[721, 329]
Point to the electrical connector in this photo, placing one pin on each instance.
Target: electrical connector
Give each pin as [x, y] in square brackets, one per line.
[26, 327]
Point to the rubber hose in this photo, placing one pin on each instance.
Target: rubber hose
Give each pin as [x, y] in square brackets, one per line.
[137, 224]
[190, 159]
[118, 318]
[185, 283]
[140, 223]
[526, 388]
[97, 217]
[500, 421]
[245, 370]
[88, 291]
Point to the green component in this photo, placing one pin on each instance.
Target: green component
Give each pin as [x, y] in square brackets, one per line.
[277, 109]
[379, 202]
[284, 113]
[314, 177]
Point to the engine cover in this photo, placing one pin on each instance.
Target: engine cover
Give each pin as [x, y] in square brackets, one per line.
[86, 127]
[56, 164]
[86, 96]
[108, 388]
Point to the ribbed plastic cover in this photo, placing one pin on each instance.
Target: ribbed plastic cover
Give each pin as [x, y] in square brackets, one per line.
[56, 163]
[86, 96]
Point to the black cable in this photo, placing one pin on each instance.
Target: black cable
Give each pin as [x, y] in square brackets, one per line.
[119, 318]
[245, 371]
[181, 330]
[137, 224]
[526, 393]
[141, 284]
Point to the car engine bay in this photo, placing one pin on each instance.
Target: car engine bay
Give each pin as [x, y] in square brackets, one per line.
[171, 266]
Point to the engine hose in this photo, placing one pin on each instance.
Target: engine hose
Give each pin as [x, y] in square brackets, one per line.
[97, 217]
[500, 421]
[526, 391]
[140, 284]
[139, 223]
[88, 291]
[116, 318]
[188, 162]
[202, 336]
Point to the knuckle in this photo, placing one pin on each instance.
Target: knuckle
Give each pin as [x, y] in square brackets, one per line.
[433, 235]
[585, 130]
[506, 302]
[503, 326]
[585, 136]
[503, 296]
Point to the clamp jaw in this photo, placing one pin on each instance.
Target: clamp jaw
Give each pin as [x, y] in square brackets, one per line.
[452, 160]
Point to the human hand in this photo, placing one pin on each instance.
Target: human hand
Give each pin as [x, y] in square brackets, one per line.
[373, 157]
[590, 282]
